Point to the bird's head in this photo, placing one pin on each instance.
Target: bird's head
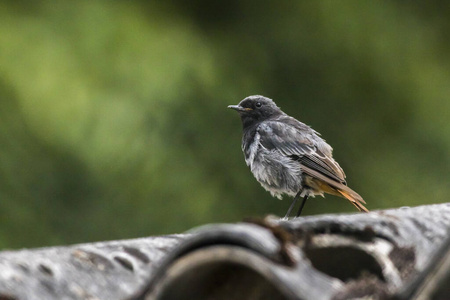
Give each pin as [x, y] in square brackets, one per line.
[255, 109]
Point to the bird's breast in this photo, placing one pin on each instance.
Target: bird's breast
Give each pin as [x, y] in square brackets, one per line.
[276, 172]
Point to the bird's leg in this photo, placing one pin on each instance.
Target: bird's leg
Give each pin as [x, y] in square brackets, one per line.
[301, 206]
[293, 204]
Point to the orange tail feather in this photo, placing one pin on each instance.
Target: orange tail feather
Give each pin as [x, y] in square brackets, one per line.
[354, 199]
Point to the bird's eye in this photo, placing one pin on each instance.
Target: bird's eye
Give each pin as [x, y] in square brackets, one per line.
[258, 104]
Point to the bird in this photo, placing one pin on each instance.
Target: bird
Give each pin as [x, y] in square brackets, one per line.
[288, 157]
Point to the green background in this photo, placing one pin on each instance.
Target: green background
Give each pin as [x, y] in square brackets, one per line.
[113, 118]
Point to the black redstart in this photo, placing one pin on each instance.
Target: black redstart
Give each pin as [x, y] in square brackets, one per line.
[289, 157]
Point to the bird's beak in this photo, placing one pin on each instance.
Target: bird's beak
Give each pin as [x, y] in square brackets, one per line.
[238, 108]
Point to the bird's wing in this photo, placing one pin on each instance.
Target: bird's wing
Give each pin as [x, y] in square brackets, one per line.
[298, 141]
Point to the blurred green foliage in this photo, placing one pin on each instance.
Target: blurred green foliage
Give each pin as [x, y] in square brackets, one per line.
[113, 119]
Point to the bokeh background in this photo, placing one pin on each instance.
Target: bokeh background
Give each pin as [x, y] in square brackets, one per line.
[113, 119]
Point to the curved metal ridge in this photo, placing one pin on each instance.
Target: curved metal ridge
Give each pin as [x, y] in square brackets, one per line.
[237, 273]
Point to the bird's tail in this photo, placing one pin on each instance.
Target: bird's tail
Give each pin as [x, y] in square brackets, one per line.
[333, 187]
[354, 198]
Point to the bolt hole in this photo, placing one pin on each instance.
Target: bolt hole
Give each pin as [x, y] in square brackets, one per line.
[137, 254]
[45, 269]
[124, 263]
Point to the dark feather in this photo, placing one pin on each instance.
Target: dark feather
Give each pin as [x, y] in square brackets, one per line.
[298, 141]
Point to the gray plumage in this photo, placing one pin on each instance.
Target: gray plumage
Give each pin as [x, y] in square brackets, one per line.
[287, 156]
